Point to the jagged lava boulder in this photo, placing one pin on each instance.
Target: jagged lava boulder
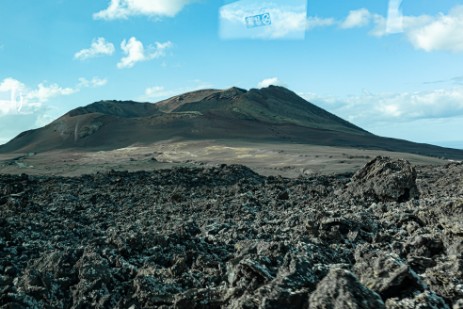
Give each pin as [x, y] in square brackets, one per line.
[384, 180]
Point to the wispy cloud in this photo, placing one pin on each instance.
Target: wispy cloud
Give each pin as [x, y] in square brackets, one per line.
[368, 108]
[156, 92]
[123, 9]
[286, 22]
[317, 22]
[17, 98]
[99, 47]
[443, 32]
[92, 83]
[45, 91]
[457, 80]
[24, 108]
[356, 19]
[135, 52]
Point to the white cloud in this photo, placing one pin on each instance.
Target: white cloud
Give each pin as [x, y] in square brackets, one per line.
[23, 108]
[99, 47]
[10, 84]
[269, 81]
[17, 98]
[287, 22]
[356, 19]
[444, 32]
[122, 9]
[11, 97]
[135, 52]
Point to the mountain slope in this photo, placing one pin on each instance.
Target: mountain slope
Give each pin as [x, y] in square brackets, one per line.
[125, 109]
[272, 114]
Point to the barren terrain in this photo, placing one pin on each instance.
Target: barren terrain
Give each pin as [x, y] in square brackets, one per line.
[388, 236]
[227, 199]
[288, 160]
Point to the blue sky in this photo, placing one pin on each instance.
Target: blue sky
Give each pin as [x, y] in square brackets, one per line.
[392, 67]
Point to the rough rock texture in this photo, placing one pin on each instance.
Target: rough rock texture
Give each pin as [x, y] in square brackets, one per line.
[425, 300]
[341, 289]
[383, 179]
[386, 273]
[225, 237]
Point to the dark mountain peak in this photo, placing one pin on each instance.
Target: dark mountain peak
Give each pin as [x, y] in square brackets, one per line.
[200, 100]
[272, 114]
[278, 92]
[277, 88]
[192, 95]
[227, 94]
[175, 102]
[235, 90]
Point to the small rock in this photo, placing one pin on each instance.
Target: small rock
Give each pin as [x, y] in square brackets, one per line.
[425, 300]
[341, 289]
[387, 275]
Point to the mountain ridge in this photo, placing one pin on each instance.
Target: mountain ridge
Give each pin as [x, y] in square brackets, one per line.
[272, 114]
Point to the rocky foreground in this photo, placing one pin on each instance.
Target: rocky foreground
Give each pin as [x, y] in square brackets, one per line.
[389, 236]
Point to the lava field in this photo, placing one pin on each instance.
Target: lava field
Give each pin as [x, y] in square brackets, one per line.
[388, 236]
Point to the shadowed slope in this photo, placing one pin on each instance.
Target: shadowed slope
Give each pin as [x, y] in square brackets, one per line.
[272, 114]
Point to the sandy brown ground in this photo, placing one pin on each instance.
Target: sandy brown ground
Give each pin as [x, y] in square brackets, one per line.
[288, 160]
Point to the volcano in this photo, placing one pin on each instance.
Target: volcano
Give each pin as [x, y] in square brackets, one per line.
[274, 114]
